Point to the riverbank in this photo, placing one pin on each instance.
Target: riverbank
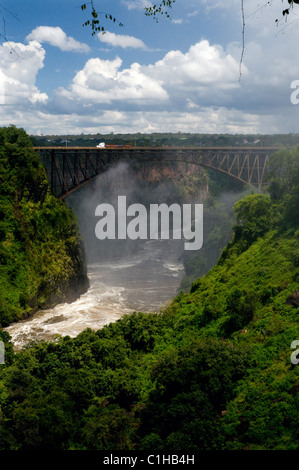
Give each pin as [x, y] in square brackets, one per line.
[146, 281]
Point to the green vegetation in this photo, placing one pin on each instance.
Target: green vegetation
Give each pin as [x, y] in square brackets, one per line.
[41, 257]
[219, 218]
[213, 371]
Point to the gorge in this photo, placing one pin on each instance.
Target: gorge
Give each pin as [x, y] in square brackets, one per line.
[210, 367]
[124, 275]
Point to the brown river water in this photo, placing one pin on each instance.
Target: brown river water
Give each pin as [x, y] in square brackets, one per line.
[145, 281]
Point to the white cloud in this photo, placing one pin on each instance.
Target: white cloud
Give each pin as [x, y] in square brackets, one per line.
[200, 76]
[56, 37]
[203, 66]
[205, 120]
[20, 64]
[196, 90]
[102, 81]
[121, 40]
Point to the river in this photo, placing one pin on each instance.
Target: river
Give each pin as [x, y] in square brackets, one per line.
[144, 281]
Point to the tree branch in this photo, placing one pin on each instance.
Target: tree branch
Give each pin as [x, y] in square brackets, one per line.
[94, 22]
[159, 9]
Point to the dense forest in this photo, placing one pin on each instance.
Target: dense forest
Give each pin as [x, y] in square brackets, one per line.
[212, 371]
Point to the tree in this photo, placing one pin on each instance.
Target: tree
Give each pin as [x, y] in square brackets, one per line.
[282, 175]
[283, 184]
[253, 213]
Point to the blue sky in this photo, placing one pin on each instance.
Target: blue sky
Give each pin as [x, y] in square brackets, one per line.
[175, 75]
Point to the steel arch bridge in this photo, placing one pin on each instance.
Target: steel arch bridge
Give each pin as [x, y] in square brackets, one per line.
[69, 168]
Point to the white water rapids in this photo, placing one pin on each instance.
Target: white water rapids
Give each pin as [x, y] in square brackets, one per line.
[145, 281]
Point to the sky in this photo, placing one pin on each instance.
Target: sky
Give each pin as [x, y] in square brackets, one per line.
[182, 74]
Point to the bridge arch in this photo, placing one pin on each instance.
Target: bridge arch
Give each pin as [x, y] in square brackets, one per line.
[70, 168]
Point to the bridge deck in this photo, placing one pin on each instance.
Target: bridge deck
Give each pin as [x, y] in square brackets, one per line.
[69, 168]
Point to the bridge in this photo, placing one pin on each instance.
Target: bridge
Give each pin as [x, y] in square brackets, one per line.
[70, 168]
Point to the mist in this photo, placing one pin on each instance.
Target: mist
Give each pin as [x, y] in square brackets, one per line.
[149, 271]
[149, 257]
[105, 189]
[134, 275]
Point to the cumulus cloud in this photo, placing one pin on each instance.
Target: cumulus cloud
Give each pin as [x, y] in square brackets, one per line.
[196, 90]
[175, 81]
[56, 37]
[121, 40]
[203, 65]
[102, 81]
[19, 65]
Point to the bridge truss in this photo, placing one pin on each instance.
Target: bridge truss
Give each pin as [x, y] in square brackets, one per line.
[69, 168]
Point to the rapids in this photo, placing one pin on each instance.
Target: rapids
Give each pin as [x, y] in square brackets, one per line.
[145, 281]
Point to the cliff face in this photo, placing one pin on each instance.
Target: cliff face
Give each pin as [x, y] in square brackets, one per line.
[66, 282]
[42, 259]
[190, 182]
